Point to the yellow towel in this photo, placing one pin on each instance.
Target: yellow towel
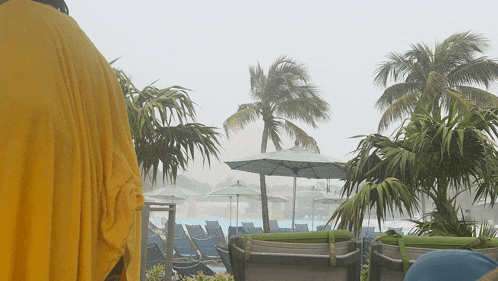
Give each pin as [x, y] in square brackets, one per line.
[70, 187]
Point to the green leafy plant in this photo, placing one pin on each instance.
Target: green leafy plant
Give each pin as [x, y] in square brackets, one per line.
[155, 273]
[430, 154]
[164, 128]
[222, 276]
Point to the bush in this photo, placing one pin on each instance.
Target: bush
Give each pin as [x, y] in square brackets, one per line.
[156, 273]
[223, 276]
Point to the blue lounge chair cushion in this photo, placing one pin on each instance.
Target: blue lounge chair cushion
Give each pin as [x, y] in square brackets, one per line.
[207, 247]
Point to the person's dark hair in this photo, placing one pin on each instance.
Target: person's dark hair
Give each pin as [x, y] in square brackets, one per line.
[58, 4]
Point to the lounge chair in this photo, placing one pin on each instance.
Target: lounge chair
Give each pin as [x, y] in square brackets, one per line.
[372, 235]
[184, 248]
[366, 229]
[191, 268]
[302, 227]
[155, 228]
[151, 232]
[232, 231]
[154, 256]
[255, 230]
[217, 233]
[155, 239]
[247, 225]
[207, 247]
[225, 258]
[397, 229]
[195, 230]
[324, 227]
[212, 223]
[179, 231]
[296, 256]
[386, 262]
[274, 226]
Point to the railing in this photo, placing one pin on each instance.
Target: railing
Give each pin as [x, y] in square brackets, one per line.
[153, 207]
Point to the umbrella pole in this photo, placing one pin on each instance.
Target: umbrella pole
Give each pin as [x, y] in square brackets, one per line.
[237, 225]
[313, 214]
[230, 210]
[294, 203]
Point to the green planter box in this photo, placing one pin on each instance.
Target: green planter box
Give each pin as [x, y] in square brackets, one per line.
[392, 256]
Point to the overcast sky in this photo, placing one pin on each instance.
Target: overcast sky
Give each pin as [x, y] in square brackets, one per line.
[208, 46]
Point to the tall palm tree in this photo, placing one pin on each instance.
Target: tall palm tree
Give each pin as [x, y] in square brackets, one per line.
[451, 71]
[281, 95]
[164, 128]
[431, 154]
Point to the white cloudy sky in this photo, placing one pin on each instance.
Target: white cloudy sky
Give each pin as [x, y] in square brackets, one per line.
[208, 46]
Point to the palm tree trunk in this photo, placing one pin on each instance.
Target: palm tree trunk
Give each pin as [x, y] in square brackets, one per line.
[262, 184]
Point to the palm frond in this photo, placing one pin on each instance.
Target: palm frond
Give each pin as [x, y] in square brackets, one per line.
[395, 92]
[246, 114]
[389, 195]
[307, 110]
[480, 98]
[164, 128]
[304, 139]
[400, 109]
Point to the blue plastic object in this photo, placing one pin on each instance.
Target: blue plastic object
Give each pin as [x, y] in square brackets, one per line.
[451, 265]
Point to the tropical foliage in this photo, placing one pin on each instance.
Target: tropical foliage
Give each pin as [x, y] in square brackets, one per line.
[164, 128]
[388, 196]
[155, 273]
[448, 73]
[222, 276]
[281, 95]
[429, 155]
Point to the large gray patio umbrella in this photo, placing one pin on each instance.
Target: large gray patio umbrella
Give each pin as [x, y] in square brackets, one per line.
[295, 162]
[170, 194]
[236, 190]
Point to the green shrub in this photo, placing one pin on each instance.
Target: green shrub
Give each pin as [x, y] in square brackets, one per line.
[156, 273]
[223, 276]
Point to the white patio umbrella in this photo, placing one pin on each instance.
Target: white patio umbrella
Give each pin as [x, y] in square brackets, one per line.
[295, 162]
[328, 199]
[271, 198]
[236, 190]
[314, 194]
[171, 199]
[171, 194]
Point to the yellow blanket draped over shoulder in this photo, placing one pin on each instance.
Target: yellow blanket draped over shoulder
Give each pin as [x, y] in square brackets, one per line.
[70, 186]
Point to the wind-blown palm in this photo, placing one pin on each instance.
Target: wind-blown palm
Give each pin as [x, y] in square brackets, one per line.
[449, 72]
[164, 129]
[282, 95]
[431, 154]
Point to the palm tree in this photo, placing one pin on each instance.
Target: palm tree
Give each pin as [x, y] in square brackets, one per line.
[447, 73]
[431, 154]
[281, 95]
[164, 128]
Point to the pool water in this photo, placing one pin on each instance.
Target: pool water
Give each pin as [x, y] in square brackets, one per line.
[224, 223]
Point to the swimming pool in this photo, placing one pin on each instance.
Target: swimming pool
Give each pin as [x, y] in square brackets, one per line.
[224, 223]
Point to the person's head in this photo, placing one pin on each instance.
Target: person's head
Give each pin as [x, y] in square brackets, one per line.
[57, 4]
[60, 5]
